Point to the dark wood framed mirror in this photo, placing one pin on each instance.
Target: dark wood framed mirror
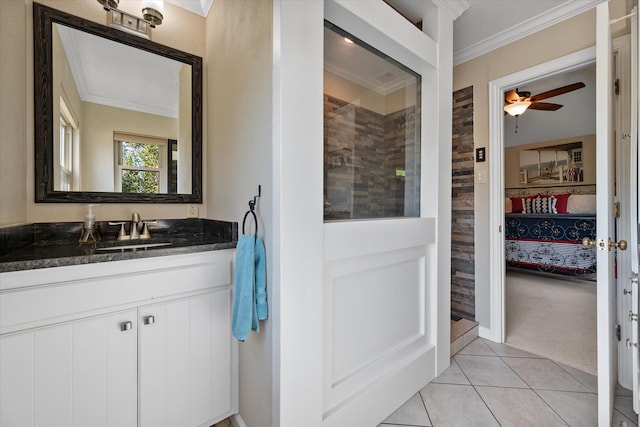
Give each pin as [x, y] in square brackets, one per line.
[91, 147]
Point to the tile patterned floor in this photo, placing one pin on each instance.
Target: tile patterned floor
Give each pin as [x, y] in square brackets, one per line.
[224, 423]
[495, 385]
[491, 384]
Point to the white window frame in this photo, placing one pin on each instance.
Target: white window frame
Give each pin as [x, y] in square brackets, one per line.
[68, 132]
[162, 143]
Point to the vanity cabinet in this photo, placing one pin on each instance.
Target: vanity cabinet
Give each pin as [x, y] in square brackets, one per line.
[129, 343]
[184, 360]
[80, 373]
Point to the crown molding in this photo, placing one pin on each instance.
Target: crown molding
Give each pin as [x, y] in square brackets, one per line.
[555, 15]
[199, 7]
[454, 8]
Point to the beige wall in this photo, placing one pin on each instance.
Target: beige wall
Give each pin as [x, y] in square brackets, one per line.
[512, 160]
[554, 42]
[349, 91]
[184, 132]
[13, 105]
[180, 29]
[239, 127]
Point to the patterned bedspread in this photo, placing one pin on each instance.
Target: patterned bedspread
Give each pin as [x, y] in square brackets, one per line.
[551, 242]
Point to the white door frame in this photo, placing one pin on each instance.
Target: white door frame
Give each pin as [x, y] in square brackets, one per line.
[622, 120]
[496, 329]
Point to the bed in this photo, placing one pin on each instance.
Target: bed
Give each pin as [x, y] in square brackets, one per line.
[549, 240]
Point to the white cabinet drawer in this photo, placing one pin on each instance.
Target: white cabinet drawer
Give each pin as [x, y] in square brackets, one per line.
[87, 290]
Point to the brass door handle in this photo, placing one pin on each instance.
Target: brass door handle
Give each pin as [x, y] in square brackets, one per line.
[622, 245]
[587, 242]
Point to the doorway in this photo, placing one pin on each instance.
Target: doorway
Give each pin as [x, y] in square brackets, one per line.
[550, 205]
[497, 269]
[498, 330]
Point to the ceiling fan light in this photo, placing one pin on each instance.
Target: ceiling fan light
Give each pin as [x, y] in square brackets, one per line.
[517, 108]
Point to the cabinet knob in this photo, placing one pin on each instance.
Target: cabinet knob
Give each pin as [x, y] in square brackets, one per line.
[149, 320]
[126, 326]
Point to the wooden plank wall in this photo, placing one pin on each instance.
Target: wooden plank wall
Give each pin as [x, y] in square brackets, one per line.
[462, 207]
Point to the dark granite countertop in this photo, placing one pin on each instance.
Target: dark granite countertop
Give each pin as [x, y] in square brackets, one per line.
[44, 245]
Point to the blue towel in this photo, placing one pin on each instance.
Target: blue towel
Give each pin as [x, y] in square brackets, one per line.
[261, 280]
[250, 293]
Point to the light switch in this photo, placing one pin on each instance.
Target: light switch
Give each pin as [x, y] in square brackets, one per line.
[481, 176]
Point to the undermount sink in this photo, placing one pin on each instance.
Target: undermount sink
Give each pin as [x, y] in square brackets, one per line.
[132, 247]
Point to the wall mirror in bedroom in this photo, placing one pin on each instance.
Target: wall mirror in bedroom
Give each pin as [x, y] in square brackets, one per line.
[566, 162]
[554, 164]
[118, 118]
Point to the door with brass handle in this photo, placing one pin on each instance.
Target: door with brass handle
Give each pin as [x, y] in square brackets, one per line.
[622, 244]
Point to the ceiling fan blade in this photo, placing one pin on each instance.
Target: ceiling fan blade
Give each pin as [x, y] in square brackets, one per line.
[511, 96]
[544, 106]
[557, 91]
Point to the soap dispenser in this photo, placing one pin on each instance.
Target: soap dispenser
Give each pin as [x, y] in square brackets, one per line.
[89, 231]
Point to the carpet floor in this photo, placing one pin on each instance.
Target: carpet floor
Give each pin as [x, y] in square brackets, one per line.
[553, 318]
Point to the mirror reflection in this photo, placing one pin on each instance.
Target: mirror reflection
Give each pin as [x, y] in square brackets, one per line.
[121, 117]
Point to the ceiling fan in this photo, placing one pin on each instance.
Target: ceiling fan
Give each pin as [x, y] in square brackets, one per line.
[516, 103]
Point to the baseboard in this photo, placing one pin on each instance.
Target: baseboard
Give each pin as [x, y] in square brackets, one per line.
[487, 333]
[237, 421]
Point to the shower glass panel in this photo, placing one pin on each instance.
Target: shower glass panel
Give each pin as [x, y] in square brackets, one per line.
[371, 132]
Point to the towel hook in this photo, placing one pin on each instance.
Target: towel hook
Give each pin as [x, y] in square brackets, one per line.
[252, 203]
[252, 207]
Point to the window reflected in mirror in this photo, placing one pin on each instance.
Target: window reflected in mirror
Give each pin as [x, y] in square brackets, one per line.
[67, 164]
[141, 166]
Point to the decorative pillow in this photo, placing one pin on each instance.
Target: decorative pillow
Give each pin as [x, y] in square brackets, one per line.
[545, 205]
[561, 202]
[517, 203]
[528, 205]
[541, 204]
[554, 204]
[582, 203]
[507, 205]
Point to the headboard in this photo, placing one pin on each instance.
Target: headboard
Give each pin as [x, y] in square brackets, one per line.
[582, 199]
[562, 189]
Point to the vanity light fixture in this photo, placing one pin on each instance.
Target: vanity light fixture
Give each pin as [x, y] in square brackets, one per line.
[152, 11]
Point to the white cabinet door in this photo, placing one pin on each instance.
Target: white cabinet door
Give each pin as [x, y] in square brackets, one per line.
[78, 373]
[184, 361]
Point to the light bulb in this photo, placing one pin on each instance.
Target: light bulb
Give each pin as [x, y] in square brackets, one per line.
[517, 108]
[157, 5]
[152, 11]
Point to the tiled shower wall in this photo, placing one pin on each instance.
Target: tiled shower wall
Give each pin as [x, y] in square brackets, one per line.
[360, 161]
[462, 207]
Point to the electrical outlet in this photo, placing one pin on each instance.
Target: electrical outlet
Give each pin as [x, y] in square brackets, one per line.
[192, 211]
